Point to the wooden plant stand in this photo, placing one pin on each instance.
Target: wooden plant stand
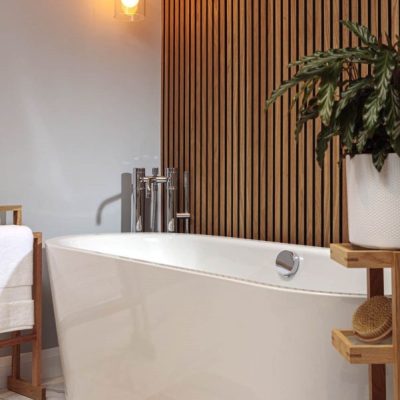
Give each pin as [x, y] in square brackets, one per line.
[34, 389]
[387, 352]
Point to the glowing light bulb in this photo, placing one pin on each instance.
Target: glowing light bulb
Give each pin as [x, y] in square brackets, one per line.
[130, 3]
[130, 7]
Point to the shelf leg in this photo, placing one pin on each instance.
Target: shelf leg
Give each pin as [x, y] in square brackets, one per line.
[377, 373]
[396, 324]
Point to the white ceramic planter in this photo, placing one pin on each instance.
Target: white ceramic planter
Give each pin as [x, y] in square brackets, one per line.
[374, 202]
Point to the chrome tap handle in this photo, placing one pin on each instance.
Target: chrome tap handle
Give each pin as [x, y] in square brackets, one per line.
[138, 199]
[186, 214]
[154, 201]
[171, 193]
[186, 193]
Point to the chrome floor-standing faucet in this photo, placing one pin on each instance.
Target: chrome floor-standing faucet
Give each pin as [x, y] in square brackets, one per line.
[146, 193]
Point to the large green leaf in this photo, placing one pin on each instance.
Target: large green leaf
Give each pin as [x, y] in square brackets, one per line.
[347, 122]
[378, 158]
[383, 70]
[351, 54]
[352, 92]
[305, 115]
[362, 140]
[299, 77]
[304, 93]
[362, 32]
[323, 140]
[326, 92]
[392, 113]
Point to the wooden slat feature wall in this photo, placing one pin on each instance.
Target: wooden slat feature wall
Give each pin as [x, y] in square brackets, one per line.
[249, 178]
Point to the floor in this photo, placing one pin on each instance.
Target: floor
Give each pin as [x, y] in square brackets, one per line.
[55, 391]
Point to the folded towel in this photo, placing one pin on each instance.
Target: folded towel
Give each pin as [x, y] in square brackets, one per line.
[8, 295]
[16, 316]
[16, 256]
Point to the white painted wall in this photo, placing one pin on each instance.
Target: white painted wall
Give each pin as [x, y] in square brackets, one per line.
[79, 105]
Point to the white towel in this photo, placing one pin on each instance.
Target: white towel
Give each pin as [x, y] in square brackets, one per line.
[16, 316]
[16, 278]
[16, 256]
[19, 293]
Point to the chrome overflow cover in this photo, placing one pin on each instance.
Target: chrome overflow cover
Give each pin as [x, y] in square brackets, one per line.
[287, 263]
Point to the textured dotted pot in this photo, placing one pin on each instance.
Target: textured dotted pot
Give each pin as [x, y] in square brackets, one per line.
[374, 202]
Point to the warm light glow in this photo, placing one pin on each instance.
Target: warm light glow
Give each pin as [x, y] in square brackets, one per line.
[130, 10]
[130, 3]
[130, 7]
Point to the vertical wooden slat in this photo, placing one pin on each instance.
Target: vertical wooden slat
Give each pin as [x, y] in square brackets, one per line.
[249, 177]
[167, 80]
[265, 117]
[174, 143]
[204, 113]
[340, 208]
[186, 46]
[395, 17]
[242, 117]
[216, 123]
[180, 161]
[318, 207]
[310, 139]
[278, 75]
[270, 79]
[170, 138]
[164, 86]
[222, 117]
[301, 202]
[229, 118]
[254, 208]
[210, 116]
[335, 145]
[235, 128]
[192, 112]
[249, 129]
[285, 137]
[293, 183]
[198, 142]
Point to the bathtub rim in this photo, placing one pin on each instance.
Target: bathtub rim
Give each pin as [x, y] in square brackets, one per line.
[55, 243]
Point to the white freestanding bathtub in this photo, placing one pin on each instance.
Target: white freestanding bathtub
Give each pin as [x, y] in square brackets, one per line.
[182, 317]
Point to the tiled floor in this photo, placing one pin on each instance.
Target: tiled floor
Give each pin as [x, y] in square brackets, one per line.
[55, 391]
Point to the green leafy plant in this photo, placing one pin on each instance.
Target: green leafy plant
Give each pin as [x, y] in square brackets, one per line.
[363, 109]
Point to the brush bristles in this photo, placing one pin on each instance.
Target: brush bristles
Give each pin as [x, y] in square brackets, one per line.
[373, 319]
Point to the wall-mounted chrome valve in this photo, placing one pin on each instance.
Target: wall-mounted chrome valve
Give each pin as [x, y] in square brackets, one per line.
[153, 186]
[146, 194]
[171, 199]
[139, 199]
[186, 190]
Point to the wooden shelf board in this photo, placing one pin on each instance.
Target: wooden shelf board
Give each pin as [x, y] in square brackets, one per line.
[10, 208]
[356, 257]
[357, 352]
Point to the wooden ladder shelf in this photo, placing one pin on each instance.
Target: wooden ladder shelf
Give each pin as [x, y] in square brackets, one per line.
[34, 389]
[387, 352]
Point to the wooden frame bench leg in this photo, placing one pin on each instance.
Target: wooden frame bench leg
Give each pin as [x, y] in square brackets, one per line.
[396, 324]
[16, 358]
[377, 372]
[33, 390]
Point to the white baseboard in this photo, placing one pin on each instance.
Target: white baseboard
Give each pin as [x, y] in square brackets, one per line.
[51, 366]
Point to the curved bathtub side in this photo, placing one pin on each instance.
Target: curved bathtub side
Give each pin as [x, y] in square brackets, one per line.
[248, 260]
[132, 330]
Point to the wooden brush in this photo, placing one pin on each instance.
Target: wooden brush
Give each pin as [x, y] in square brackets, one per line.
[372, 321]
